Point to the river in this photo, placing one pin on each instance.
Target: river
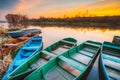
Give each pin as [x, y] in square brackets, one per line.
[52, 34]
[55, 33]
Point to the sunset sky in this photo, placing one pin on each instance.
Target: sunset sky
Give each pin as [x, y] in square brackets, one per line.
[59, 8]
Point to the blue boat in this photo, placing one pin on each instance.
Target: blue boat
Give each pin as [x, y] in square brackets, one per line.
[19, 33]
[29, 49]
[42, 58]
[109, 62]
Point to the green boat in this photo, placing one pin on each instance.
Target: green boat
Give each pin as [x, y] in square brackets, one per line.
[42, 57]
[116, 40]
[109, 62]
[73, 64]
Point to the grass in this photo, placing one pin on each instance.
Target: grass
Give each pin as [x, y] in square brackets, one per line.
[77, 24]
[2, 30]
[4, 39]
[4, 64]
[14, 29]
[6, 61]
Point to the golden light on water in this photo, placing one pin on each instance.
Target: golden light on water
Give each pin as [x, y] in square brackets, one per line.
[53, 34]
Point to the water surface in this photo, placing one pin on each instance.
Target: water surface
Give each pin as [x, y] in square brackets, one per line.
[55, 33]
[52, 34]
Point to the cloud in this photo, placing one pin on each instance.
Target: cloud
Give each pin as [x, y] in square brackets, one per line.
[7, 4]
[25, 5]
[100, 3]
[104, 8]
[71, 12]
[98, 8]
[3, 13]
[59, 8]
[6, 7]
[40, 7]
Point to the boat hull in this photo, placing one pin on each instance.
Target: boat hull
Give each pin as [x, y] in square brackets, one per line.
[43, 57]
[70, 65]
[109, 62]
[28, 50]
[10, 46]
[19, 33]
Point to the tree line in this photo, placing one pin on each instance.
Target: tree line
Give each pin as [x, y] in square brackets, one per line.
[24, 20]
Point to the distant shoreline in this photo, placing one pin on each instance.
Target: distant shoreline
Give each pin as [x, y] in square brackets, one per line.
[72, 25]
[112, 22]
[80, 24]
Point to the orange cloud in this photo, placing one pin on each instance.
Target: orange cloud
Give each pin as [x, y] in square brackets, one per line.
[99, 8]
[26, 5]
[57, 13]
[108, 9]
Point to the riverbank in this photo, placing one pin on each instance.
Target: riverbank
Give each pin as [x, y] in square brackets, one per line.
[96, 21]
[52, 34]
[5, 59]
[80, 24]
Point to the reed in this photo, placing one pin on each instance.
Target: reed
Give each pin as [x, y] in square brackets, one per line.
[4, 64]
[2, 30]
[6, 61]
[14, 29]
[4, 40]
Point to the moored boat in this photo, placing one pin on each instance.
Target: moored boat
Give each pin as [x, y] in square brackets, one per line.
[11, 45]
[73, 64]
[29, 49]
[109, 62]
[19, 33]
[42, 57]
[116, 40]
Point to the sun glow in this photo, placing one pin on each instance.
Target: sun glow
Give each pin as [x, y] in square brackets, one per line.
[67, 8]
[81, 12]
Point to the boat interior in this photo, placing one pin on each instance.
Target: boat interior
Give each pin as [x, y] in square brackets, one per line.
[45, 55]
[65, 66]
[111, 59]
[49, 53]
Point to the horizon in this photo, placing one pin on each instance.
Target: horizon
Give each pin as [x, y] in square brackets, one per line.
[60, 9]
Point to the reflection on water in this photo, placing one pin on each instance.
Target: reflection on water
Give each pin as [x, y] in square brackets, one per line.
[53, 34]
[5, 25]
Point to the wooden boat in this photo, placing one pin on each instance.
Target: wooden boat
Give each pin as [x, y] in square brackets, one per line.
[19, 33]
[29, 49]
[109, 62]
[42, 57]
[71, 65]
[11, 45]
